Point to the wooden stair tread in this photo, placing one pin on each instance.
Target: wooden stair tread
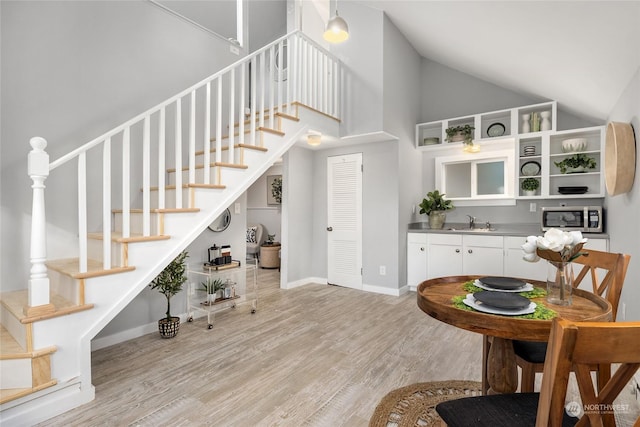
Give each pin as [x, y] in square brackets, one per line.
[267, 116]
[16, 301]
[213, 164]
[226, 148]
[300, 104]
[272, 131]
[164, 210]
[248, 131]
[71, 267]
[116, 236]
[9, 394]
[184, 186]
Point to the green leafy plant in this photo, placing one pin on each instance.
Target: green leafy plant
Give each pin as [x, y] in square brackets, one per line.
[530, 184]
[212, 285]
[435, 202]
[170, 280]
[576, 161]
[465, 130]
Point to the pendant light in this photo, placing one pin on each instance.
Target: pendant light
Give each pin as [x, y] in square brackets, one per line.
[337, 29]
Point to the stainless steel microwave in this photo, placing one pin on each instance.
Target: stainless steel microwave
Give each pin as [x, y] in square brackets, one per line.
[587, 219]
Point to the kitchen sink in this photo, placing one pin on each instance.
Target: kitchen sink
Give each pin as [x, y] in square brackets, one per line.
[474, 230]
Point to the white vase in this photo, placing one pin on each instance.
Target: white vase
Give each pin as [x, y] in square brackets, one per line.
[437, 219]
[546, 120]
[526, 126]
[529, 193]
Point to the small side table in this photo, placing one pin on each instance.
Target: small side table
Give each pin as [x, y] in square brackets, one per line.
[270, 255]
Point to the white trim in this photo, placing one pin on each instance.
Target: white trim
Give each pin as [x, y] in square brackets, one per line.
[305, 281]
[385, 291]
[129, 334]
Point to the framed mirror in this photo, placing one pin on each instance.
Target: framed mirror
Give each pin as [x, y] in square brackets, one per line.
[222, 222]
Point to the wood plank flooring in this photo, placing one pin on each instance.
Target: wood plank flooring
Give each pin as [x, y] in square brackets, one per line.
[316, 355]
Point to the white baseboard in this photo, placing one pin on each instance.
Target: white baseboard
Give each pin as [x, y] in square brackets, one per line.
[305, 281]
[129, 334]
[385, 291]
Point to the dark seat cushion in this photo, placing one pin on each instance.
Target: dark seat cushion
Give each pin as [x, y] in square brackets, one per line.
[532, 352]
[508, 410]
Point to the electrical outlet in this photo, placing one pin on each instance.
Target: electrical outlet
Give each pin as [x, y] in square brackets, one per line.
[532, 207]
[238, 208]
[383, 270]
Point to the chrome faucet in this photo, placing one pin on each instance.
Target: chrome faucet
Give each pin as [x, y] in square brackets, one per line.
[472, 222]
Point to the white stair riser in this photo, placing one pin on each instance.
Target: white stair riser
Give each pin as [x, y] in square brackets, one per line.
[65, 286]
[136, 222]
[95, 249]
[169, 198]
[13, 326]
[246, 154]
[15, 373]
[225, 173]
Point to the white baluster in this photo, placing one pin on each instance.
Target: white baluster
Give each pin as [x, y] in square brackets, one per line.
[271, 86]
[126, 183]
[162, 161]
[219, 123]
[146, 178]
[192, 142]
[82, 211]
[178, 152]
[38, 170]
[232, 97]
[252, 119]
[280, 77]
[243, 83]
[207, 135]
[106, 204]
[287, 97]
[262, 87]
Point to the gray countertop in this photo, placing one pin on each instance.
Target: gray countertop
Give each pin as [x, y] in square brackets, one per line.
[495, 230]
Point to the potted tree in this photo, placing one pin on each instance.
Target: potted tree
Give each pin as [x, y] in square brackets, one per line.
[459, 133]
[435, 206]
[169, 282]
[530, 186]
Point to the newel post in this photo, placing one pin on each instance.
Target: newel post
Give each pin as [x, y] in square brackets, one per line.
[38, 169]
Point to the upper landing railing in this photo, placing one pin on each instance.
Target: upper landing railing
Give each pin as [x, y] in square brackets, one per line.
[291, 69]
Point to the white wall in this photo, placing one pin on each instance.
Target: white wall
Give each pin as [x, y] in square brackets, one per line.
[624, 231]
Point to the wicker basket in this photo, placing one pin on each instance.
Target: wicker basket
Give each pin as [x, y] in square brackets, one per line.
[553, 256]
[168, 328]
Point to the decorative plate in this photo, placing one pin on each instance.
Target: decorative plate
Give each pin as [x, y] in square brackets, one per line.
[572, 190]
[499, 282]
[496, 129]
[530, 168]
[502, 300]
[528, 287]
[476, 305]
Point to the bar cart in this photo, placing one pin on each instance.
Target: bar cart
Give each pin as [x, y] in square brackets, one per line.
[213, 288]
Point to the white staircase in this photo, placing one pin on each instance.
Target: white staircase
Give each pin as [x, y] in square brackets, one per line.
[163, 176]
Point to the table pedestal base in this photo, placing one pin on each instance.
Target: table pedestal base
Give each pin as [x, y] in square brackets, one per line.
[502, 371]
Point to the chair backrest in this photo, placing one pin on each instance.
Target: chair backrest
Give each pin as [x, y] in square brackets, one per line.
[612, 265]
[581, 345]
[259, 232]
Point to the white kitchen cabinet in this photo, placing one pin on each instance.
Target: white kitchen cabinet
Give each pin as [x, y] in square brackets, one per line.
[416, 259]
[458, 254]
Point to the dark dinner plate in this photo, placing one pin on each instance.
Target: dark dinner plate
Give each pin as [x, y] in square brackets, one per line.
[502, 282]
[572, 190]
[503, 300]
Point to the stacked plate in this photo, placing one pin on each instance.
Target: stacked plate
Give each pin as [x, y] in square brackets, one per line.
[529, 150]
[501, 296]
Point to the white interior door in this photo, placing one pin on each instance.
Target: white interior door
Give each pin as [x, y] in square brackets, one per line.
[344, 220]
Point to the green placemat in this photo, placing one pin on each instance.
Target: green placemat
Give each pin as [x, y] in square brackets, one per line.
[541, 312]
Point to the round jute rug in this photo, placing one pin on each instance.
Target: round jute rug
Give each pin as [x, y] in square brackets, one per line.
[415, 405]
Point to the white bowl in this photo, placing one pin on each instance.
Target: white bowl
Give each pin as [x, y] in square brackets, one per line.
[574, 144]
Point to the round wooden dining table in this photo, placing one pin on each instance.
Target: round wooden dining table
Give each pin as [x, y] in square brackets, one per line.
[435, 298]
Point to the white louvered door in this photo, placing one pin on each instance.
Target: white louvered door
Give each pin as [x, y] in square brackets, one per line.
[344, 220]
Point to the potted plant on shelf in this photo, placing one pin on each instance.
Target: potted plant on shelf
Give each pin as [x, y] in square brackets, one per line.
[435, 206]
[577, 163]
[169, 282]
[212, 287]
[462, 133]
[530, 186]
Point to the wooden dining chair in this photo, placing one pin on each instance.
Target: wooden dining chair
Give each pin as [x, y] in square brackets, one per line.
[577, 345]
[612, 269]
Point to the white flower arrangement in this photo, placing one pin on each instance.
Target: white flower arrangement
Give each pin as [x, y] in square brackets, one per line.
[556, 246]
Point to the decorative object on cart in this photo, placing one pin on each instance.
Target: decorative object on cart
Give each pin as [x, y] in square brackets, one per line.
[435, 206]
[460, 133]
[270, 239]
[169, 282]
[222, 222]
[559, 248]
[219, 255]
[576, 164]
[619, 158]
[274, 189]
[212, 287]
[530, 186]
[574, 145]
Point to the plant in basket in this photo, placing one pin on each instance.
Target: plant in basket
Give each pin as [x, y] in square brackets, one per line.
[169, 282]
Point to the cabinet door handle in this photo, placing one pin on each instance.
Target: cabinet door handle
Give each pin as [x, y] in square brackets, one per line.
[470, 251]
[457, 251]
[329, 228]
[422, 248]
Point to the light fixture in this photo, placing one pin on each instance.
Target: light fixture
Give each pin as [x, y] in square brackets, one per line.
[337, 30]
[313, 138]
[471, 148]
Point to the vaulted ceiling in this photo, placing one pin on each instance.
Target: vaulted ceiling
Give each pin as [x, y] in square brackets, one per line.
[581, 53]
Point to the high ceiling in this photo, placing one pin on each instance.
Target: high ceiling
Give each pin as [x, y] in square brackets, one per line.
[581, 53]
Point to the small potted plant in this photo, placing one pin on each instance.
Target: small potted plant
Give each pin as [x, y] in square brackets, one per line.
[435, 206]
[462, 133]
[169, 282]
[530, 186]
[212, 287]
[577, 163]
